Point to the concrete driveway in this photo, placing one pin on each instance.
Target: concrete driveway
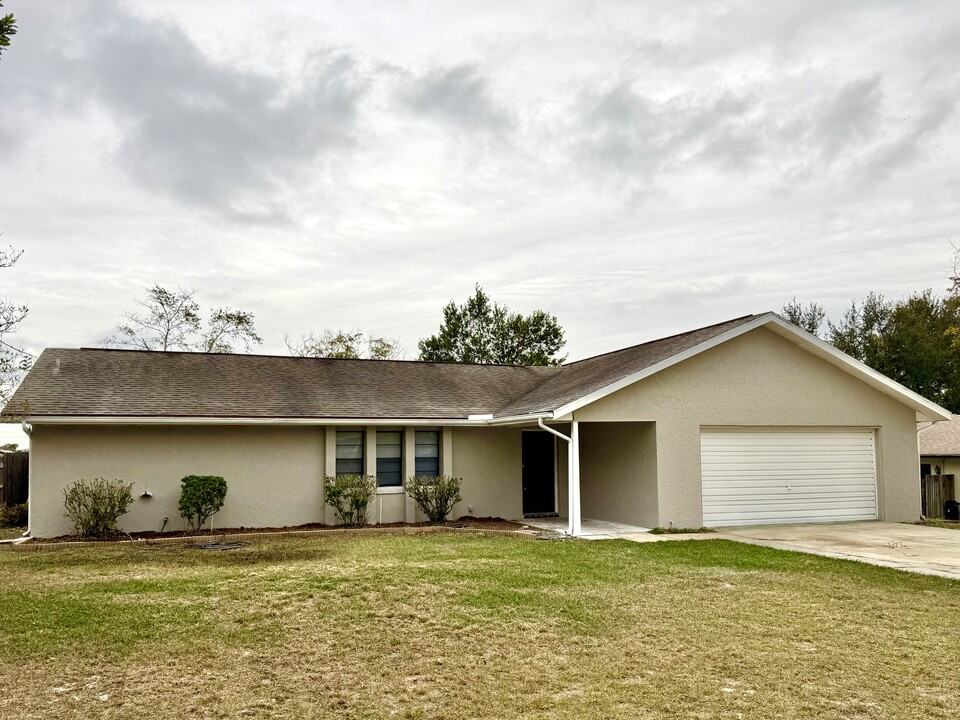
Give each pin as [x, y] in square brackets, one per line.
[915, 548]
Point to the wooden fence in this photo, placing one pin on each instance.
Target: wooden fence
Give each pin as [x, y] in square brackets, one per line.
[935, 490]
[14, 470]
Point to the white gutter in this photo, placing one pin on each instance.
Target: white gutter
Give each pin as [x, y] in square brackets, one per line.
[573, 473]
[207, 420]
[28, 431]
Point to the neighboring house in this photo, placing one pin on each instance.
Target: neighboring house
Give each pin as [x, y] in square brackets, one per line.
[940, 448]
[749, 421]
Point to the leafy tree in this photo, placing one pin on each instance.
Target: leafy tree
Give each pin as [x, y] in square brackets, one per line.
[481, 331]
[861, 332]
[346, 345]
[172, 321]
[14, 360]
[808, 318]
[909, 341]
[8, 28]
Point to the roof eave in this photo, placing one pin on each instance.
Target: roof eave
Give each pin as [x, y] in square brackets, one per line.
[221, 420]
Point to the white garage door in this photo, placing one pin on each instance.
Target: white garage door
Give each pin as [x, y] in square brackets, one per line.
[775, 476]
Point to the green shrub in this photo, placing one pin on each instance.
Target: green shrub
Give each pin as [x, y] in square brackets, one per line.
[435, 496]
[349, 496]
[201, 497]
[13, 516]
[95, 505]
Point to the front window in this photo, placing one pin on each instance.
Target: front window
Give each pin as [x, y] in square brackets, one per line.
[389, 458]
[349, 452]
[427, 456]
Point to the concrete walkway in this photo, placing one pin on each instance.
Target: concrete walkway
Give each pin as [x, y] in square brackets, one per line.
[590, 529]
[914, 548]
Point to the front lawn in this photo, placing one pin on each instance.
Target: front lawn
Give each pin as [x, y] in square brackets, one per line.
[444, 626]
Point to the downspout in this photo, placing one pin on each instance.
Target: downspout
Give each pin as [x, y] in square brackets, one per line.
[28, 431]
[573, 473]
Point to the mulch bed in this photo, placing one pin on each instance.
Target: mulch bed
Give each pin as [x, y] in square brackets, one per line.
[467, 522]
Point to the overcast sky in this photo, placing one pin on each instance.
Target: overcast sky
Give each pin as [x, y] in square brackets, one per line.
[636, 168]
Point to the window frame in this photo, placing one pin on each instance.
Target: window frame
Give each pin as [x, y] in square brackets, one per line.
[363, 452]
[439, 455]
[388, 489]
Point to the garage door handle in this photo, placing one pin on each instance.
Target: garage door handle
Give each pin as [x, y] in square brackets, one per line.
[789, 487]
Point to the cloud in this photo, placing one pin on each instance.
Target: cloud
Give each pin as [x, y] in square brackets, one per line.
[849, 118]
[631, 141]
[909, 143]
[459, 96]
[201, 131]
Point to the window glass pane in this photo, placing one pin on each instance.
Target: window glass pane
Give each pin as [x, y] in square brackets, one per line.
[389, 437]
[427, 437]
[427, 466]
[349, 467]
[349, 437]
[349, 452]
[427, 453]
[389, 458]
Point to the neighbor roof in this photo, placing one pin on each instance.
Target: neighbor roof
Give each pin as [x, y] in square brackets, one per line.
[941, 439]
[99, 383]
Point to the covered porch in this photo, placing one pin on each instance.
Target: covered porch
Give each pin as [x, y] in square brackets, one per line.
[598, 478]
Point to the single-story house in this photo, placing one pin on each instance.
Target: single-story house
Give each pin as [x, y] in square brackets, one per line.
[745, 422]
[940, 448]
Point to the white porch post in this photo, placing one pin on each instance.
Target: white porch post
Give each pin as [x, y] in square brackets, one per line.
[573, 478]
[573, 473]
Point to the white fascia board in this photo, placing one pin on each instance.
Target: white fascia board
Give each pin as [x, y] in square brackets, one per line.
[519, 419]
[925, 409]
[183, 420]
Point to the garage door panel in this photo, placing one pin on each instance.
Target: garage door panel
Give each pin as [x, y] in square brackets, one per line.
[763, 477]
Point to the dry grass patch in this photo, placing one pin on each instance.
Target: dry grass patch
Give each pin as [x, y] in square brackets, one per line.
[471, 627]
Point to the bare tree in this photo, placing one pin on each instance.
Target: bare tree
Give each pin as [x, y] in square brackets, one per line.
[344, 345]
[172, 321]
[14, 360]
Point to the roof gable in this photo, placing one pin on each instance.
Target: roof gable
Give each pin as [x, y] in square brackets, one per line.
[926, 410]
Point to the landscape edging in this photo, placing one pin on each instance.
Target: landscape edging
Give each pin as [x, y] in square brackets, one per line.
[239, 537]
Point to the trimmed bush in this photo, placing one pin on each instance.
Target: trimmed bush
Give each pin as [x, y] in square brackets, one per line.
[201, 497]
[13, 516]
[434, 496]
[94, 506]
[349, 496]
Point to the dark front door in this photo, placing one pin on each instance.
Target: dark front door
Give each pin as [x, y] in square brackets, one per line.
[538, 486]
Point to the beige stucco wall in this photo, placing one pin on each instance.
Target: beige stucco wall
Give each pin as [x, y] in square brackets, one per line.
[273, 475]
[488, 460]
[761, 379]
[618, 472]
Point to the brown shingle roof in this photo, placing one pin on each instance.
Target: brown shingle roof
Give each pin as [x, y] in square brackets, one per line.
[98, 382]
[942, 439]
[167, 384]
